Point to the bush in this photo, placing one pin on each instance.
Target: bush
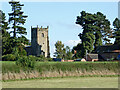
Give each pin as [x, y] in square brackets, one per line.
[49, 59]
[8, 57]
[19, 51]
[40, 58]
[26, 61]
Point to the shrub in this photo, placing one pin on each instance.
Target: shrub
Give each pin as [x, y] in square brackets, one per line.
[26, 61]
[40, 58]
[49, 59]
[8, 57]
[19, 51]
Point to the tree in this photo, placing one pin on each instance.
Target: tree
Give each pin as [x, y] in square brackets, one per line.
[86, 20]
[77, 51]
[24, 40]
[6, 46]
[116, 29]
[68, 53]
[102, 31]
[59, 49]
[62, 52]
[98, 39]
[17, 18]
[88, 43]
[95, 27]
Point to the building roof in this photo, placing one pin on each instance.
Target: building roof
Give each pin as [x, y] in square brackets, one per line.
[93, 56]
[108, 48]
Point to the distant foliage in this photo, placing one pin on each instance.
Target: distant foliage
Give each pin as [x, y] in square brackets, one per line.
[77, 51]
[61, 51]
[68, 54]
[116, 33]
[26, 62]
[43, 58]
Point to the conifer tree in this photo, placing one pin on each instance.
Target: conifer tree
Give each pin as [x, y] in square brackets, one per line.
[86, 20]
[17, 19]
[103, 30]
[116, 29]
[95, 29]
[6, 48]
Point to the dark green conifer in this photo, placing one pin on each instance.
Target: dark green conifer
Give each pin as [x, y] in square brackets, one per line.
[116, 29]
[17, 19]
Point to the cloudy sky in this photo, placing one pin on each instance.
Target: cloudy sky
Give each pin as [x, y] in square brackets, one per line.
[61, 17]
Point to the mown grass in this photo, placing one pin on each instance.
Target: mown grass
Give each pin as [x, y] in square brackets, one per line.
[71, 82]
[59, 69]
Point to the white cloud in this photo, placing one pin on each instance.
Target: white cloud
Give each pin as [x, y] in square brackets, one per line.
[68, 25]
[72, 43]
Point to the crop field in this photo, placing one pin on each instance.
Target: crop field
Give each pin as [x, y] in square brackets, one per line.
[68, 82]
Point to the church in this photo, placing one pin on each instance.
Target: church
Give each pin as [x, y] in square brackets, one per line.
[39, 42]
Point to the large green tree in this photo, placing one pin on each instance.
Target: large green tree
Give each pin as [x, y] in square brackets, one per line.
[95, 29]
[17, 19]
[102, 29]
[6, 46]
[86, 20]
[116, 29]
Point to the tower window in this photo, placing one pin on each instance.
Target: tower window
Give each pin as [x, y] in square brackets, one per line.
[42, 34]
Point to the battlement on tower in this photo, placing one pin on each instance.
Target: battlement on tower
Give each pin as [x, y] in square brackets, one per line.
[40, 28]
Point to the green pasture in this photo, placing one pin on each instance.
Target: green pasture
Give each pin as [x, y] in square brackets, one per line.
[73, 82]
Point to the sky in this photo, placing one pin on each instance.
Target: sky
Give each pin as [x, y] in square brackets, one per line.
[61, 18]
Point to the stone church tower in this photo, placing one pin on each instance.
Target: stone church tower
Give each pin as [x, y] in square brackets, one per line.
[39, 42]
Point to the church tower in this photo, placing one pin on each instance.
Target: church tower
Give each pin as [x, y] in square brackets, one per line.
[40, 41]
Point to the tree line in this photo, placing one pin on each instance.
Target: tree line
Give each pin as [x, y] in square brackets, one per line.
[96, 32]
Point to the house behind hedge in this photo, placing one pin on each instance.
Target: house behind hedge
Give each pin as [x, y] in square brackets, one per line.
[109, 52]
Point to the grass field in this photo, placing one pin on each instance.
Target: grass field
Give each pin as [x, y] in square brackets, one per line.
[11, 71]
[70, 82]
